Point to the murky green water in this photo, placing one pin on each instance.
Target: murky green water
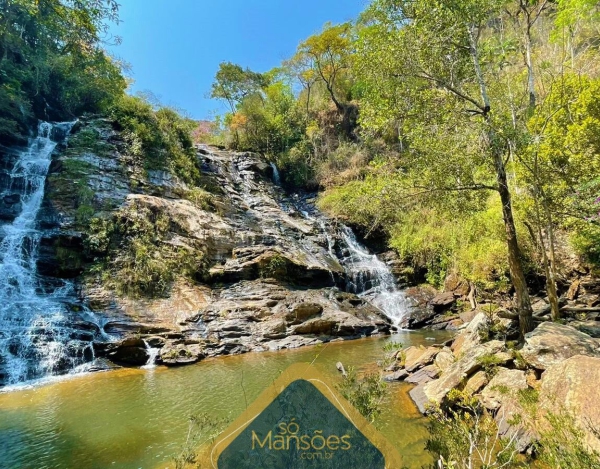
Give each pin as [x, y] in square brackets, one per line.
[132, 418]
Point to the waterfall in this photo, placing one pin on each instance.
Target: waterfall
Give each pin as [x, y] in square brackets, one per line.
[152, 355]
[35, 334]
[276, 177]
[366, 275]
[371, 278]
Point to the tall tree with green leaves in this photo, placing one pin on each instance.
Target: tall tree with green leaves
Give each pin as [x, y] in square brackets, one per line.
[426, 54]
[327, 54]
[234, 83]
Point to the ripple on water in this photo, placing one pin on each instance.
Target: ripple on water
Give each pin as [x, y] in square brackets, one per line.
[132, 418]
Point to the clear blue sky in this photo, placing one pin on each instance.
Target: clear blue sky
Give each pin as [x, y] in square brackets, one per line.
[174, 47]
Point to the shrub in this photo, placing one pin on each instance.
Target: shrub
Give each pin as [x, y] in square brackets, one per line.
[469, 437]
[136, 258]
[157, 139]
[366, 394]
[489, 363]
[276, 267]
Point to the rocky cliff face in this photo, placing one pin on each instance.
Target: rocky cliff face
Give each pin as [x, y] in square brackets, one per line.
[241, 265]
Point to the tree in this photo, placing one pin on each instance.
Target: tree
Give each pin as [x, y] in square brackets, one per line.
[432, 51]
[233, 84]
[328, 55]
[52, 62]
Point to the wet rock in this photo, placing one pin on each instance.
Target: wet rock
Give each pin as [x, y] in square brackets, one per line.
[100, 364]
[155, 341]
[551, 343]
[572, 385]
[175, 355]
[265, 262]
[131, 351]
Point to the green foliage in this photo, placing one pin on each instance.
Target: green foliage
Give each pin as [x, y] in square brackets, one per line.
[392, 347]
[366, 394]
[275, 267]
[233, 83]
[51, 61]
[586, 241]
[134, 255]
[489, 363]
[158, 139]
[449, 115]
[562, 444]
[87, 140]
[200, 198]
[295, 166]
[471, 243]
[469, 437]
[494, 328]
[392, 353]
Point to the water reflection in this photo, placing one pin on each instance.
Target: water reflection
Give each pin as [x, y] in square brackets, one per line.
[135, 418]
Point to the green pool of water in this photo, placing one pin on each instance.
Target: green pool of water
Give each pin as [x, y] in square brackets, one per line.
[134, 418]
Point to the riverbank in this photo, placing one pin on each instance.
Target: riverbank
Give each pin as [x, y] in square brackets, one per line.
[538, 393]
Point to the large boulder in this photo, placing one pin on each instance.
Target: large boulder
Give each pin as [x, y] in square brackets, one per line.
[551, 343]
[471, 335]
[418, 357]
[444, 359]
[424, 375]
[591, 328]
[302, 311]
[180, 354]
[442, 301]
[434, 392]
[502, 387]
[501, 396]
[476, 382]
[572, 385]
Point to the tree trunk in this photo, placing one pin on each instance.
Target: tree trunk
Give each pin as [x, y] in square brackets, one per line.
[514, 253]
[551, 282]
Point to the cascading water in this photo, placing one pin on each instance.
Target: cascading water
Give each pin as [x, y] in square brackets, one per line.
[371, 278]
[152, 355]
[365, 274]
[276, 177]
[35, 334]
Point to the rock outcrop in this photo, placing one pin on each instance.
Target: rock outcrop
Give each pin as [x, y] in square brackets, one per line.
[551, 343]
[572, 386]
[266, 275]
[559, 362]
